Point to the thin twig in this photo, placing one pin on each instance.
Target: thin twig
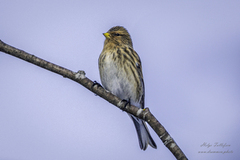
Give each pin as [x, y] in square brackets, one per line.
[80, 78]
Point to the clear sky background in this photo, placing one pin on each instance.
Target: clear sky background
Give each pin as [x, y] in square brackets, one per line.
[190, 52]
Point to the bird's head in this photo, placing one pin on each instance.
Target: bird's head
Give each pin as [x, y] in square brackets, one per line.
[118, 35]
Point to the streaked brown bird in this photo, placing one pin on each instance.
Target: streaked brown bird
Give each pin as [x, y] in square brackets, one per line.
[121, 73]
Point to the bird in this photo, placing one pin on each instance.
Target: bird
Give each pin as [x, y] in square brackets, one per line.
[121, 74]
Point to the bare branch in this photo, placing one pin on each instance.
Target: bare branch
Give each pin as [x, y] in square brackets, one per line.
[80, 78]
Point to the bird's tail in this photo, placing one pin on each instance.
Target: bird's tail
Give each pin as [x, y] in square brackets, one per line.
[144, 136]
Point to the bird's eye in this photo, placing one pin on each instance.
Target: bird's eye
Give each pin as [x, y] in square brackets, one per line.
[117, 34]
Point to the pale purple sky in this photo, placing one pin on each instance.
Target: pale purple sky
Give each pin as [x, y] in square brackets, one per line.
[190, 52]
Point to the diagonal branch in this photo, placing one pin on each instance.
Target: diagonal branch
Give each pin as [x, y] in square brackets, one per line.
[80, 78]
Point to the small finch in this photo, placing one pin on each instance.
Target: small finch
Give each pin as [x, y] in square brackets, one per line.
[121, 73]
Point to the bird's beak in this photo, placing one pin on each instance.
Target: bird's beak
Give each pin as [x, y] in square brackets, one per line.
[107, 35]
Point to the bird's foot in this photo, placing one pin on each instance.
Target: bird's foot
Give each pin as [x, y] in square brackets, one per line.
[127, 102]
[95, 83]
